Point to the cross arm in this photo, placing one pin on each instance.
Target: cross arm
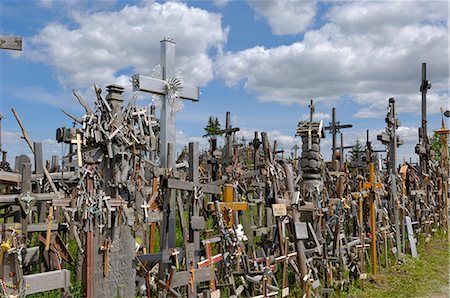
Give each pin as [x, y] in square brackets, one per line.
[189, 186]
[158, 86]
[229, 130]
[331, 127]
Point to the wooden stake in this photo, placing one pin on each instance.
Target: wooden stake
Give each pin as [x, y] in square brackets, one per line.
[49, 228]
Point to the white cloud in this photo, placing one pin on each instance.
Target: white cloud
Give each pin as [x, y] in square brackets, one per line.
[286, 16]
[405, 103]
[105, 47]
[46, 3]
[409, 135]
[13, 143]
[368, 51]
[316, 117]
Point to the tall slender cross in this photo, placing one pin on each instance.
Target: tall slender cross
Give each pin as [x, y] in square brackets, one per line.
[229, 132]
[171, 88]
[334, 128]
[423, 148]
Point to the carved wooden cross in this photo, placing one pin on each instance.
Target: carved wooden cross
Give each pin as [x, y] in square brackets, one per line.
[169, 88]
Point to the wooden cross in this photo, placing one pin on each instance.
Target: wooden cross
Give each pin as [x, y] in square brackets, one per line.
[210, 261]
[334, 128]
[106, 247]
[229, 136]
[170, 88]
[49, 228]
[229, 205]
[78, 142]
[167, 286]
[192, 186]
[372, 185]
[175, 253]
[146, 207]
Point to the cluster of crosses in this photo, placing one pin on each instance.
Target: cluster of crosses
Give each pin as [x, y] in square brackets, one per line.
[248, 222]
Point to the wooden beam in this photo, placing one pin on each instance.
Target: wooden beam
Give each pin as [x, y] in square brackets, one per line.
[236, 206]
[11, 43]
[47, 281]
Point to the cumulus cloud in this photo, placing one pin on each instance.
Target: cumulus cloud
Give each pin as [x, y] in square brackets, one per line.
[409, 135]
[366, 51]
[102, 47]
[286, 16]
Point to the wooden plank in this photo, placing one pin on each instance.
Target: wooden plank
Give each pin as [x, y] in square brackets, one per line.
[412, 240]
[10, 178]
[47, 281]
[235, 206]
[38, 159]
[11, 43]
[42, 227]
[307, 207]
[189, 186]
[11, 199]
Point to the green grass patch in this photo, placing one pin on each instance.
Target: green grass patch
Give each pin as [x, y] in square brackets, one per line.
[426, 276]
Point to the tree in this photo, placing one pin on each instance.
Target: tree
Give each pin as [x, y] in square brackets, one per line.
[436, 145]
[213, 127]
[357, 151]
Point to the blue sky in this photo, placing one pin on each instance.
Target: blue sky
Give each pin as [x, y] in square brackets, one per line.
[261, 60]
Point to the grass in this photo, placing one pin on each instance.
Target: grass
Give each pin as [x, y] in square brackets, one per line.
[426, 276]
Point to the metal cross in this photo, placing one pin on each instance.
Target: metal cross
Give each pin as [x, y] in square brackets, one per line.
[229, 136]
[170, 88]
[334, 128]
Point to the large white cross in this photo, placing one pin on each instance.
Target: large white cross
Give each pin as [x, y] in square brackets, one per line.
[161, 86]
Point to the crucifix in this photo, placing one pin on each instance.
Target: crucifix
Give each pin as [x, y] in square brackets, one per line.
[171, 88]
[255, 143]
[229, 132]
[334, 128]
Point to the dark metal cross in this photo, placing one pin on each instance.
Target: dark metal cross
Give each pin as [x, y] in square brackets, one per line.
[334, 128]
[229, 132]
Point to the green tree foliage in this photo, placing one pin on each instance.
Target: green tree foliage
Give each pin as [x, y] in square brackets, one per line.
[357, 151]
[436, 146]
[213, 127]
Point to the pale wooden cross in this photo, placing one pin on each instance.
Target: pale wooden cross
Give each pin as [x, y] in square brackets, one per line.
[78, 142]
[164, 86]
[146, 207]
